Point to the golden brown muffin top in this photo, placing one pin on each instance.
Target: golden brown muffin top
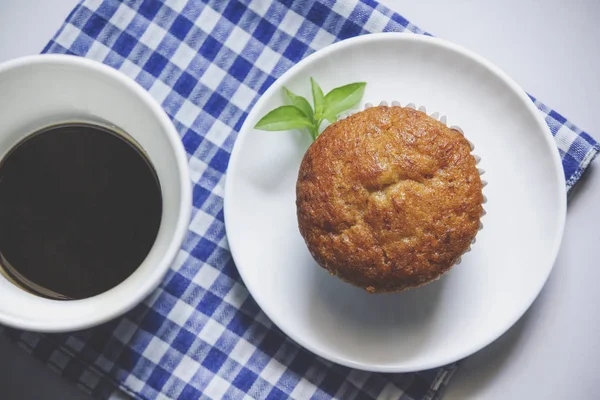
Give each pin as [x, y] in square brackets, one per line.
[388, 198]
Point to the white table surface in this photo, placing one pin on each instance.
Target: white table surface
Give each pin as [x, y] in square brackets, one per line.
[552, 48]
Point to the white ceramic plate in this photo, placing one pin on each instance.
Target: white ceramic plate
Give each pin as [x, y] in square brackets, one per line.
[479, 299]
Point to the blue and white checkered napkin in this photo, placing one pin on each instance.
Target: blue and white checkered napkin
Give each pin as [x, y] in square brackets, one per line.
[200, 335]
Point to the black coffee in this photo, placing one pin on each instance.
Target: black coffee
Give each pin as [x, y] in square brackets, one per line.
[80, 208]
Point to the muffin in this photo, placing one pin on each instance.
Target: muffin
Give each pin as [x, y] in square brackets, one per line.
[389, 198]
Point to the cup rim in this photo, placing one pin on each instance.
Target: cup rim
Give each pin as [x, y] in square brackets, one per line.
[154, 277]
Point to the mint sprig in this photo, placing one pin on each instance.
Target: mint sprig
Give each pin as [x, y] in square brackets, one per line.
[300, 114]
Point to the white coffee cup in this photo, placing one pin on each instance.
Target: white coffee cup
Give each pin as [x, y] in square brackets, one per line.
[38, 91]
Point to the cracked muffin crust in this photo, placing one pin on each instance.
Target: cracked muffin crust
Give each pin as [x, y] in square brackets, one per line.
[388, 198]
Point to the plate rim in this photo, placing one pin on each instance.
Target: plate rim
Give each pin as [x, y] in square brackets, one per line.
[515, 88]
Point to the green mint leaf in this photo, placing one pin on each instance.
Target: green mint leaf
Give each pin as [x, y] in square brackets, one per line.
[318, 98]
[284, 118]
[342, 98]
[299, 102]
[331, 118]
[313, 132]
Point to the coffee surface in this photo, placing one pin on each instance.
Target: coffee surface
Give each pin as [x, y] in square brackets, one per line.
[80, 209]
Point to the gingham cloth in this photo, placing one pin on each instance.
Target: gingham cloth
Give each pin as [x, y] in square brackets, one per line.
[201, 335]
